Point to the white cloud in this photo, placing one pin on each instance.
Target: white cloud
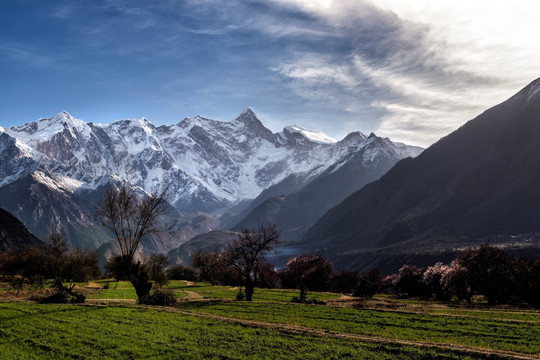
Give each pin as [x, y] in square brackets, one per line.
[433, 64]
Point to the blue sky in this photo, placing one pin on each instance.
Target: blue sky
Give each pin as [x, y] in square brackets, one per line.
[410, 70]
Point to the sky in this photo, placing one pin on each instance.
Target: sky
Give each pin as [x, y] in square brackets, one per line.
[413, 71]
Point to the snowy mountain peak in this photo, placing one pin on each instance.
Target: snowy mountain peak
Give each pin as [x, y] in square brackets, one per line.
[206, 163]
[314, 136]
[44, 129]
[354, 138]
[248, 117]
[247, 112]
[69, 121]
[253, 125]
[200, 121]
[62, 115]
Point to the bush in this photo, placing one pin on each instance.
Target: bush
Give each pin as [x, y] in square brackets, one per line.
[491, 272]
[182, 272]
[308, 272]
[529, 281]
[210, 264]
[268, 277]
[56, 298]
[369, 283]
[29, 266]
[81, 265]
[345, 282]
[117, 267]
[455, 282]
[160, 297]
[155, 266]
[389, 283]
[433, 280]
[410, 281]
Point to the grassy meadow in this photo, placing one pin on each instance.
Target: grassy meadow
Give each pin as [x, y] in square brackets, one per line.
[208, 324]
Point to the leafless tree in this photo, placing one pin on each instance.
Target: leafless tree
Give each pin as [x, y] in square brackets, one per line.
[58, 259]
[247, 254]
[130, 220]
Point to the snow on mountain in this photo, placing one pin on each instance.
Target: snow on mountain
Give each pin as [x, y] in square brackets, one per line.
[206, 164]
[315, 136]
[16, 159]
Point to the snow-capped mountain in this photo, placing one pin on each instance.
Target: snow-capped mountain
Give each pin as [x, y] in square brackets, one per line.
[207, 165]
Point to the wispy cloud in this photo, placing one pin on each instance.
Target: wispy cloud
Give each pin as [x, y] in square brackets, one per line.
[27, 54]
[427, 68]
[410, 70]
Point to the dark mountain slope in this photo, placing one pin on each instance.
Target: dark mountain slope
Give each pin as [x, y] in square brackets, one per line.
[480, 181]
[13, 234]
[205, 242]
[46, 207]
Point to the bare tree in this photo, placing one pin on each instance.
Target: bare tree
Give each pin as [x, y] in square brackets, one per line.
[58, 260]
[247, 254]
[130, 220]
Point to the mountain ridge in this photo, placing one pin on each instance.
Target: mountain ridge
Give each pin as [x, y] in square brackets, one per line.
[209, 166]
[478, 182]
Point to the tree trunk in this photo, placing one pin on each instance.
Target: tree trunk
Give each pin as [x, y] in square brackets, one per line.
[142, 286]
[303, 294]
[139, 278]
[250, 289]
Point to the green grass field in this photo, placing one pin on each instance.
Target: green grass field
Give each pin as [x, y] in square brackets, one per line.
[269, 328]
[124, 290]
[133, 332]
[492, 333]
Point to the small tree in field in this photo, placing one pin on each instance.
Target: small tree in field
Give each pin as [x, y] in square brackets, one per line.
[310, 272]
[182, 272]
[155, 265]
[455, 282]
[116, 268]
[58, 261]
[490, 272]
[433, 280]
[410, 281]
[528, 273]
[210, 264]
[247, 254]
[345, 281]
[130, 220]
[82, 265]
[24, 267]
[369, 283]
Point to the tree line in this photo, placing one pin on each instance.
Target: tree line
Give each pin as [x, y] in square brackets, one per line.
[54, 260]
[498, 276]
[487, 270]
